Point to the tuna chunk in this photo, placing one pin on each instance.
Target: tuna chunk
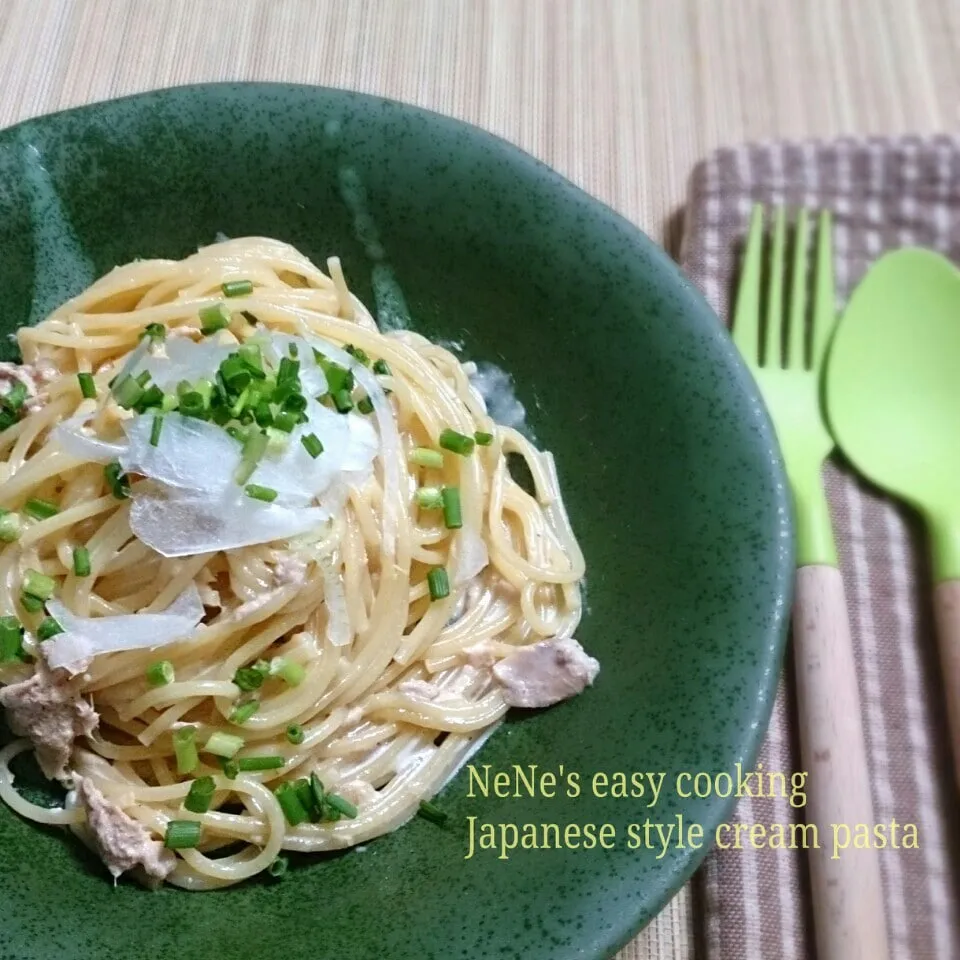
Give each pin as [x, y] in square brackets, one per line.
[51, 714]
[122, 842]
[545, 673]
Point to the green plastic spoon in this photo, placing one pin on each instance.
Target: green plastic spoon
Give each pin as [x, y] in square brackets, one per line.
[893, 405]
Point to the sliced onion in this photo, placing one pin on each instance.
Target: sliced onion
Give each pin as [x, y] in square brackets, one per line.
[197, 505]
[187, 360]
[390, 452]
[178, 524]
[191, 454]
[339, 630]
[472, 556]
[87, 637]
[71, 438]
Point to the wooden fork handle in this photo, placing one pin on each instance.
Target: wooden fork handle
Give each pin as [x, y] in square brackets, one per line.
[946, 603]
[848, 907]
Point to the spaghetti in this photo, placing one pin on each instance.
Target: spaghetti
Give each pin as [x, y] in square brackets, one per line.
[268, 579]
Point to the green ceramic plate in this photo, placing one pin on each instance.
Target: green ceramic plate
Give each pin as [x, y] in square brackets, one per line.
[670, 468]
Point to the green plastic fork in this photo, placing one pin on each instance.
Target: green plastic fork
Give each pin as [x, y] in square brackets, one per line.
[790, 379]
[787, 364]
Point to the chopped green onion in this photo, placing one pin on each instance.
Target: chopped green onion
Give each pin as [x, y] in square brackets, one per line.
[36, 584]
[289, 671]
[205, 389]
[278, 868]
[254, 447]
[289, 370]
[425, 457]
[214, 318]
[128, 392]
[155, 331]
[185, 748]
[430, 498]
[192, 405]
[40, 509]
[88, 386]
[295, 734]
[11, 639]
[237, 288]
[161, 673]
[295, 403]
[293, 810]
[81, 562]
[243, 712]
[311, 443]
[230, 768]
[240, 404]
[182, 834]
[235, 373]
[439, 583]
[155, 429]
[456, 442]
[249, 678]
[382, 367]
[338, 378]
[254, 764]
[432, 813]
[153, 396]
[305, 794]
[16, 397]
[256, 492]
[341, 804]
[11, 526]
[222, 744]
[286, 421]
[317, 791]
[31, 604]
[117, 480]
[364, 405]
[343, 401]
[200, 795]
[452, 518]
[263, 414]
[48, 628]
[483, 439]
[252, 358]
[358, 354]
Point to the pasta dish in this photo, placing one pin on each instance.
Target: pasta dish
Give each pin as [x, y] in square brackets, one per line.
[267, 578]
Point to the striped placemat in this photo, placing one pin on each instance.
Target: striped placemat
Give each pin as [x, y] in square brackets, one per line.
[883, 194]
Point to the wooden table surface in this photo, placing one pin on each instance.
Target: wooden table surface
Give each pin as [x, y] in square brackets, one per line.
[621, 96]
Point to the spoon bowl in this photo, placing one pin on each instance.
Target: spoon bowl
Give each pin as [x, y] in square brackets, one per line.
[893, 404]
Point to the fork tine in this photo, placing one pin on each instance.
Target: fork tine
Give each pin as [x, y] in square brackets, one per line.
[746, 318]
[796, 320]
[773, 352]
[824, 302]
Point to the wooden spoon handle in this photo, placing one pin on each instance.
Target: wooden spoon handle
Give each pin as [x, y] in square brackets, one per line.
[946, 603]
[848, 906]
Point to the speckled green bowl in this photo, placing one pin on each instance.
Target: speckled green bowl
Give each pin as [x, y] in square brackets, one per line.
[669, 465]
